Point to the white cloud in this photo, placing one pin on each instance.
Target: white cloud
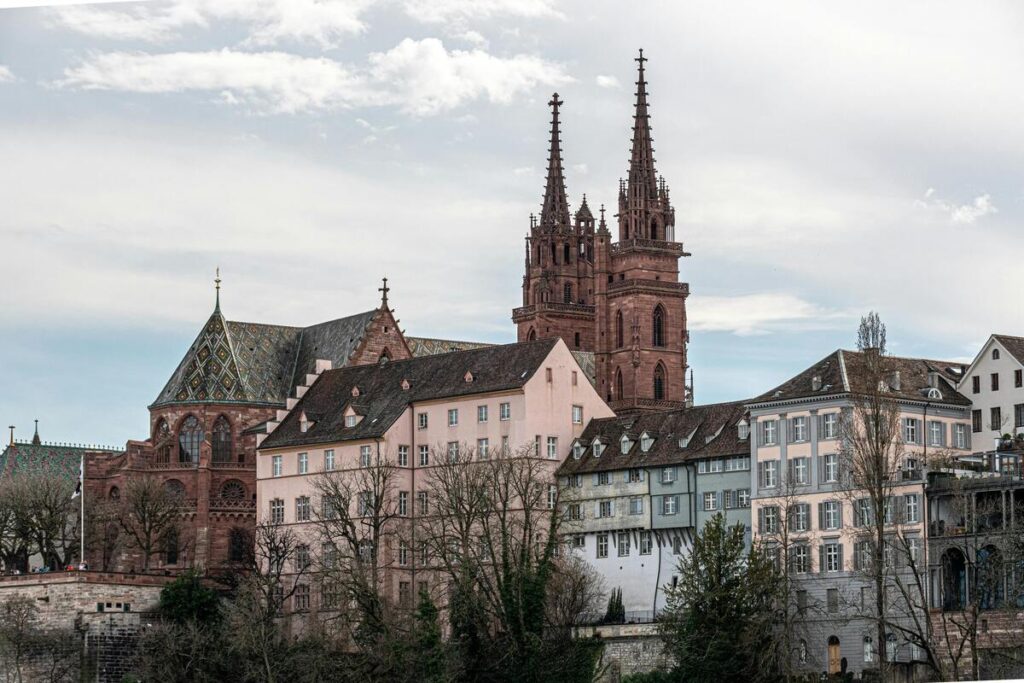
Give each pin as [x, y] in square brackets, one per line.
[420, 77]
[474, 38]
[761, 314]
[607, 82]
[5, 75]
[449, 11]
[322, 22]
[581, 168]
[967, 214]
[523, 171]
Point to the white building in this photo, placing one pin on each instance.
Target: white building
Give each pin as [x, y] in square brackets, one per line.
[994, 382]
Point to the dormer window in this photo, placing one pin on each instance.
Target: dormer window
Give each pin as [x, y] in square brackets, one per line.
[646, 441]
[934, 394]
[355, 392]
[468, 377]
[304, 423]
[577, 450]
[684, 441]
[405, 385]
[351, 420]
[743, 430]
[625, 444]
[598, 449]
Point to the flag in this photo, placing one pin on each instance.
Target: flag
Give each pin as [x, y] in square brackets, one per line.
[81, 473]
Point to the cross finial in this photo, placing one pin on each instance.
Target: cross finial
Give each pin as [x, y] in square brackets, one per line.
[11, 427]
[216, 284]
[555, 102]
[641, 59]
[384, 293]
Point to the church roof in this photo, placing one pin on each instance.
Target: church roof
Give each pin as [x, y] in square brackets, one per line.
[257, 363]
[425, 346]
[59, 460]
[382, 399]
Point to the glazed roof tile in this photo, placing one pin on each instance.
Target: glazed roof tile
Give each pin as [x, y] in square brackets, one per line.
[58, 460]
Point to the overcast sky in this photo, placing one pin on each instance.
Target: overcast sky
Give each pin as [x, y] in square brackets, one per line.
[825, 159]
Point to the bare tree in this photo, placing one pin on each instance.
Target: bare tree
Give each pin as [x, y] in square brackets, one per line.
[575, 593]
[253, 617]
[360, 529]
[871, 454]
[15, 528]
[149, 516]
[28, 652]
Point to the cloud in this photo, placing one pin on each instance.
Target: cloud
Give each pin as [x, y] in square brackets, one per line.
[582, 169]
[5, 75]
[764, 313]
[420, 77]
[449, 11]
[959, 213]
[523, 171]
[607, 82]
[321, 22]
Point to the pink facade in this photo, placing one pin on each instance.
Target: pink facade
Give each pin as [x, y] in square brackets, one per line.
[540, 411]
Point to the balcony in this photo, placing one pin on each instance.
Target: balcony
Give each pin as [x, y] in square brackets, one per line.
[622, 246]
[649, 285]
[232, 505]
[524, 312]
[233, 465]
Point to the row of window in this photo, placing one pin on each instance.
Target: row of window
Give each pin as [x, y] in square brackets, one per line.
[734, 463]
[482, 413]
[727, 500]
[993, 379]
[996, 418]
[190, 437]
[798, 429]
[897, 509]
[623, 543]
[936, 433]
[830, 556]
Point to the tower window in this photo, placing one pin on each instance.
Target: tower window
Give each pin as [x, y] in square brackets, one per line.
[567, 293]
[659, 326]
[576, 340]
[619, 337]
[565, 253]
[618, 385]
[659, 382]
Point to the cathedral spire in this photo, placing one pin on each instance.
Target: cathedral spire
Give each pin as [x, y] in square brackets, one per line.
[643, 180]
[555, 211]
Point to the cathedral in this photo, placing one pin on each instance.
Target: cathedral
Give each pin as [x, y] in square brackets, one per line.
[621, 300]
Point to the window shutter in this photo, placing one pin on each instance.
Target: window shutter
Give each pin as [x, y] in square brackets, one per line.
[839, 514]
[596, 482]
[612, 505]
[760, 433]
[597, 509]
[807, 515]
[760, 475]
[821, 515]
[821, 466]
[840, 556]
[760, 520]
[856, 555]
[821, 558]
[642, 472]
[718, 500]
[789, 472]
[789, 430]
[821, 427]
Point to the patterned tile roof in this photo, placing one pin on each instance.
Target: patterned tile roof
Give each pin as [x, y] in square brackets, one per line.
[61, 461]
[425, 346]
[382, 399]
[257, 363]
[708, 431]
[587, 364]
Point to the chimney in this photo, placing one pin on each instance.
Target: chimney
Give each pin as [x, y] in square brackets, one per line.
[816, 383]
[895, 383]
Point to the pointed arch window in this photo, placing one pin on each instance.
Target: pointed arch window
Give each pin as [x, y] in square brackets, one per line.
[222, 440]
[659, 382]
[189, 437]
[567, 293]
[163, 441]
[619, 336]
[566, 254]
[533, 335]
[658, 326]
[618, 384]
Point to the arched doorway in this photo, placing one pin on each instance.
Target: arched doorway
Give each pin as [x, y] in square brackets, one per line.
[954, 580]
[990, 577]
[834, 655]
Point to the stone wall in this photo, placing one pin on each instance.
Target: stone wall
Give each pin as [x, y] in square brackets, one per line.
[99, 614]
[628, 649]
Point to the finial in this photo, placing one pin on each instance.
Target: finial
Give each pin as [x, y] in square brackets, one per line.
[384, 293]
[35, 437]
[216, 284]
[11, 427]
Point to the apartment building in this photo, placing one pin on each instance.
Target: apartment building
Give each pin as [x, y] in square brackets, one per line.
[798, 484]
[410, 412]
[994, 381]
[636, 489]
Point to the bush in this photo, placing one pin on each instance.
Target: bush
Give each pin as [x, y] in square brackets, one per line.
[187, 599]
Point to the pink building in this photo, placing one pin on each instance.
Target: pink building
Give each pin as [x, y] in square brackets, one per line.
[531, 394]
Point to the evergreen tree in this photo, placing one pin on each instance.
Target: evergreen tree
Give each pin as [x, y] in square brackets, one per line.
[718, 619]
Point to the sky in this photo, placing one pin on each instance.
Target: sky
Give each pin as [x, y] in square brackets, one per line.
[825, 160]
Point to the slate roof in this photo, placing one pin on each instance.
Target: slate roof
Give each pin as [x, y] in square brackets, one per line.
[256, 363]
[586, 363]
[61, 461]
[840, 373]
[1015, 345]
[382, 400]
[711, 429]
[425, 346]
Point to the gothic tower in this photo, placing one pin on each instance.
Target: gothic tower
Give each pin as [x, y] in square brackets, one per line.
[558, 280]
[640, 305]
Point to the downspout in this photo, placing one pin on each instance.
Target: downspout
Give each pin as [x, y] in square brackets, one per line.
[650, 525]
[412, 494]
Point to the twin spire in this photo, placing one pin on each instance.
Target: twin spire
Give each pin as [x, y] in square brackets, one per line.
[643, 179]
[555, 211]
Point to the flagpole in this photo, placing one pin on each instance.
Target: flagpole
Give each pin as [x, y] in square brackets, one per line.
[81, 532]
